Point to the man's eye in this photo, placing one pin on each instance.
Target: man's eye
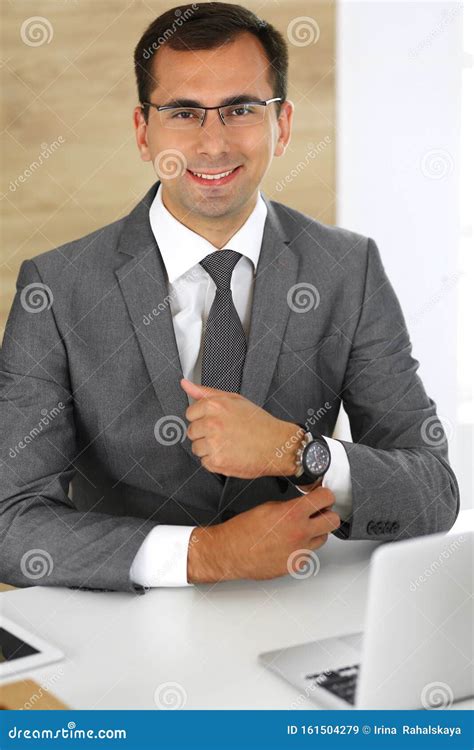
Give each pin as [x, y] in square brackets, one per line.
[243, 110]
[183, 114]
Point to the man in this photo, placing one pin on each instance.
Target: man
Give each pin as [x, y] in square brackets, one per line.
[135, 476]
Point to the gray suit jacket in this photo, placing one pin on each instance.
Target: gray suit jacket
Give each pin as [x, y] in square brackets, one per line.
[90, 366]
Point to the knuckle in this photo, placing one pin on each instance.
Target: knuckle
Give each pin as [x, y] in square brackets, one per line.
[215, 443]
[333, 518]
[213, 425]
[213, 404]
[326, 494]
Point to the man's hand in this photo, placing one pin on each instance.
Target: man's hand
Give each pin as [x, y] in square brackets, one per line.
[258, 543]
[235, 437]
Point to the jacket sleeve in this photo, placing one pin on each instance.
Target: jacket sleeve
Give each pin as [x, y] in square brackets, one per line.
[44, 539]
[402, 482]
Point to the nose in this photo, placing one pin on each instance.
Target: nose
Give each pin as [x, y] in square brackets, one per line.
[213, 137]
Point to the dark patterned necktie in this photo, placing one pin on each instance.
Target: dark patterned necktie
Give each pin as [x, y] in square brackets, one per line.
[225, 346]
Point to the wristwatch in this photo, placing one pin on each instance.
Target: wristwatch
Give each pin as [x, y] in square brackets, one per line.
[313, 458]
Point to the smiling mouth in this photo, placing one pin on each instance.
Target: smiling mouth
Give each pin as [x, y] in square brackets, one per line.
[214, 178]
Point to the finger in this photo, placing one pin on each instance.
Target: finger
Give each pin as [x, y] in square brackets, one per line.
[196, 430]
[324, 523]
[200, 448]
[316, 500]
[196, 390]
[195, 411]
[200, 391]
[317, 541]
[202, 408]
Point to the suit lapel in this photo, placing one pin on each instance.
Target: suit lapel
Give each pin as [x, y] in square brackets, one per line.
[276, 273]
[143, 282]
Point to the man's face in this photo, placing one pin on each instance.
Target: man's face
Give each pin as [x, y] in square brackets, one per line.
[210, 77]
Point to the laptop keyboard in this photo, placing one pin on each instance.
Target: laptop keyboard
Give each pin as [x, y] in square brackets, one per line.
[342, 682]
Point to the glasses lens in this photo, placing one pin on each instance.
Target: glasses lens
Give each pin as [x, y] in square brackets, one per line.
[241, 115]
[181, 118]
[234, 115]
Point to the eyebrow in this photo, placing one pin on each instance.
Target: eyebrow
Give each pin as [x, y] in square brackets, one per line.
[236, 99]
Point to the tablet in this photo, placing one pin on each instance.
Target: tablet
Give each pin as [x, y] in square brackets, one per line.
[21, 650]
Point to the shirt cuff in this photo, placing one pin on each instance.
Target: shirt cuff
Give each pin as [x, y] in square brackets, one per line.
[338, 479]
[162, 559]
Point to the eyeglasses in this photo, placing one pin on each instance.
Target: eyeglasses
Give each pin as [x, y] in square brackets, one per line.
[232, 115]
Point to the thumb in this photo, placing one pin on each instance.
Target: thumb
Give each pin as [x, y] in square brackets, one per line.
[198, 391]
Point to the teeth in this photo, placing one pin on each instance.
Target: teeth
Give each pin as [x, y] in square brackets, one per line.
[213, 176]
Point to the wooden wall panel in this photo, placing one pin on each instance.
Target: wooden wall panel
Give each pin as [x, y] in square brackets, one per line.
[72, 98]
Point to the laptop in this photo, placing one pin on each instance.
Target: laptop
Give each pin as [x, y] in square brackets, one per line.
[417, 645]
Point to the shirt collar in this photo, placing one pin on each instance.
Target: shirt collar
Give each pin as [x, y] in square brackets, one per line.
[181, 248]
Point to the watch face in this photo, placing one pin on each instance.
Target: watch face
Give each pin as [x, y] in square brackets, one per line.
[316, 459]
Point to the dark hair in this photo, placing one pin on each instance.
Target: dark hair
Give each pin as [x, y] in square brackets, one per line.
[193, 27]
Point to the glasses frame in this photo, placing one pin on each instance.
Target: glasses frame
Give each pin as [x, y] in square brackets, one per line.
[164, 107]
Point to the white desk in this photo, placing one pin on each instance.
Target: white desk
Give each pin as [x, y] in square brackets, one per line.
[120, 648]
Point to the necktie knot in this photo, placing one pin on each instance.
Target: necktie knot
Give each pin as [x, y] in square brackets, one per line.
[220, 266]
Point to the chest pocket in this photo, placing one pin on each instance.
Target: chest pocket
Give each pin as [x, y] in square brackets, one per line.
[310, 377]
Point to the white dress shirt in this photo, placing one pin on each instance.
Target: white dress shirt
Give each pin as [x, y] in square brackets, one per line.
[162, 558]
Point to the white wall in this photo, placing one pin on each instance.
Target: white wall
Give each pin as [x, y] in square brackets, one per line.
[399, 68]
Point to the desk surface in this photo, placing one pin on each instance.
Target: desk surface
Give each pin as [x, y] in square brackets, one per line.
[121, 648]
